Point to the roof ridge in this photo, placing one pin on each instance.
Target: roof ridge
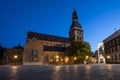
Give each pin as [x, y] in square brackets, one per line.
[47, 37]
[47, 34]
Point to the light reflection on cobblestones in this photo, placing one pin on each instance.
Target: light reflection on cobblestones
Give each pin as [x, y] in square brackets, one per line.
[61, 72]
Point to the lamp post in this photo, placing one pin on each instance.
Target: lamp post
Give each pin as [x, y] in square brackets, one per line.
[108, 59]
[57, 59]
[75, 59]
[87, 59]
[15, 58]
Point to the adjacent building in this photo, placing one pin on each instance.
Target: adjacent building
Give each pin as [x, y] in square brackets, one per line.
[50, 49]
[13, 56]
[101, 54]
[112, 48]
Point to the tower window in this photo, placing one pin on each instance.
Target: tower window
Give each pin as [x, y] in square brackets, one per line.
[78, 32]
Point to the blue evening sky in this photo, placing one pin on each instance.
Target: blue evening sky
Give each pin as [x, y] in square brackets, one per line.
[98, 18]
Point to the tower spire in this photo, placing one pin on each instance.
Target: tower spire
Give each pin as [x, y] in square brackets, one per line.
[74, 16]
[76, 32]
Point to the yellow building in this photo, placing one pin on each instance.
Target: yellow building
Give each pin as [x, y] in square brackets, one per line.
[49, 49]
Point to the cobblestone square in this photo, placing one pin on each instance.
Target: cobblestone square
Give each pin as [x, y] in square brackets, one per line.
[61, 72]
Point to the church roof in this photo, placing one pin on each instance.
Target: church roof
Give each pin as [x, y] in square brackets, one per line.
[53, 48]
[75, 24]
[47, 37]
[74, 15]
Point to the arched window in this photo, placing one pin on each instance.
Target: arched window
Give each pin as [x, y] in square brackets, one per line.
[33, 55]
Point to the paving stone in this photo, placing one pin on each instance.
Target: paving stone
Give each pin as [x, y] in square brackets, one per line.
[61, 72]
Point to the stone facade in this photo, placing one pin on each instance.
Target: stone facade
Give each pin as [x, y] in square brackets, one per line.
[14, 56]
[112, 48]
[43, 52]
[49, 49]
[101, 54]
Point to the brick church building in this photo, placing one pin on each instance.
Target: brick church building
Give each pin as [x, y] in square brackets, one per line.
[49, 49]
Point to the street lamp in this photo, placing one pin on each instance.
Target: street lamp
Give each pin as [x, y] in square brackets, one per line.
[108, 58]
[15, 57]
[57, 59]
[87, 59]
[75, 58]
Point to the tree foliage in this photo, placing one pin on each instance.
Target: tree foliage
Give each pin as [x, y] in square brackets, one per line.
[1, 54]
[80, 50]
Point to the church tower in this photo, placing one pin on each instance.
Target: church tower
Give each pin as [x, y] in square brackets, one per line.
[76, 32]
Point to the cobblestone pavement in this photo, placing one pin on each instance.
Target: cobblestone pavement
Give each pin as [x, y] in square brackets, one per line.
[61, 72]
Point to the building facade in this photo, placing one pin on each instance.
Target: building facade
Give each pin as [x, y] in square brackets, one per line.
[112, 48]
[49, 49]
[44, 49]
[13, 56]
[101, 54]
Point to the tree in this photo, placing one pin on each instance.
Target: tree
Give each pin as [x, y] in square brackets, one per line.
[2, 50]
[80, 50]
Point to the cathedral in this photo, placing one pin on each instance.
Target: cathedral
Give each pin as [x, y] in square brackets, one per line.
[50, 49]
